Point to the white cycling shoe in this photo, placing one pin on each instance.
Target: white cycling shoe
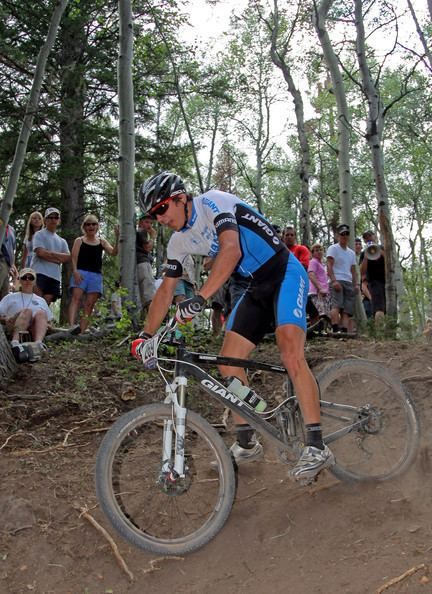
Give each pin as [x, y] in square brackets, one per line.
[243, 455]
[310, 463]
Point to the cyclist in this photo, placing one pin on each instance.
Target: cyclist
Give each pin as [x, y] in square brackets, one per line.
[220, 225]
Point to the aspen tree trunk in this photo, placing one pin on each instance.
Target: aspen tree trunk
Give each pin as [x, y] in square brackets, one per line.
[31, 109]
[343, 126]
[343, 115]
[8, 365]
[420, 33]
[126, 169]
[278, 56]
[374, 133]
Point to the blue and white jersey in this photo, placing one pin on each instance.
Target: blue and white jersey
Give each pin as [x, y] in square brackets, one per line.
[212, 213]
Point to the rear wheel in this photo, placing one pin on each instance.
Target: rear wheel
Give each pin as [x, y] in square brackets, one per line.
[384, 436]
[146, 506]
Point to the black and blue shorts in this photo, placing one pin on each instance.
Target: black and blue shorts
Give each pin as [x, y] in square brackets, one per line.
[277, 295]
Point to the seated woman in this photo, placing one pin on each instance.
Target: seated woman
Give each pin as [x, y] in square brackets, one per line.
[24, 311]
[86, 278]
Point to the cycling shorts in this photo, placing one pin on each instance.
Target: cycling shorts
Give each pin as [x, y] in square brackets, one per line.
[274, 299]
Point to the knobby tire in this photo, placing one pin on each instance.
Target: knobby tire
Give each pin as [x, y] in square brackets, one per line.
[127, 472]
[387, 444]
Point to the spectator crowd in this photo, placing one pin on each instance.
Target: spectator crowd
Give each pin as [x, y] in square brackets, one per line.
[26, 295]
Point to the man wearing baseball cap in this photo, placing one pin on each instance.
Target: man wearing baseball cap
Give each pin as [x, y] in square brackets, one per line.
[24, 311]
[50, 252]
[144, 246]
[341, 267]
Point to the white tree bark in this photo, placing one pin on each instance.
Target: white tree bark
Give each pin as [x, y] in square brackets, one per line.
[343, 113]
[344, 126]
[420, 32]
[278, 56]
[374, 133]
[126, 169]
[31, 109]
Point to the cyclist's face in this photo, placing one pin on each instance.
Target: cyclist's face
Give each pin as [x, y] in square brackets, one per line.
[174, 217]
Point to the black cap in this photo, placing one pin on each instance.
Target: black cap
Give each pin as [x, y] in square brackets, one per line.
[368, 234]
[343, 228]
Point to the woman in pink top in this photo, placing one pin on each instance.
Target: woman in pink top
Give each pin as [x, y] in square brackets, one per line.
[319, 282]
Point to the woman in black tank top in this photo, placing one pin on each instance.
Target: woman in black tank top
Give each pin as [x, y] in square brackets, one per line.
[86, 277]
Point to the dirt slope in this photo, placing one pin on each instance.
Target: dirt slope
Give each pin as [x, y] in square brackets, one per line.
[331, 538]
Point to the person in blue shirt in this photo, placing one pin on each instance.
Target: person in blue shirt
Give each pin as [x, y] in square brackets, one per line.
[240, 240]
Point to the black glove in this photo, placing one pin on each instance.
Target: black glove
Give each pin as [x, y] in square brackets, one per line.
[189, 308]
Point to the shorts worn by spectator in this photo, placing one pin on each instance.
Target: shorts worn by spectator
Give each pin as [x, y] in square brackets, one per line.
[222, 226]
[24, 311]
[50, 251]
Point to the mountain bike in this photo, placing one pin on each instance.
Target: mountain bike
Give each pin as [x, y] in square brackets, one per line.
[165, 478]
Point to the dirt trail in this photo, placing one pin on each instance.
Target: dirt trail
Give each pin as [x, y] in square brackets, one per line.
[331, 538]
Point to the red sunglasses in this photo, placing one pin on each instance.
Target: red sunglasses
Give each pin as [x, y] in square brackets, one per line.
[161, 208]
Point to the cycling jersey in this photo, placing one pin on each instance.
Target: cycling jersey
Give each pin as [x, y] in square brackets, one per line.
[214, 212]
[277, 292]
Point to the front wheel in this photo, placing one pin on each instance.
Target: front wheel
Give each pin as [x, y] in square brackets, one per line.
[368, 420]
[151, 511]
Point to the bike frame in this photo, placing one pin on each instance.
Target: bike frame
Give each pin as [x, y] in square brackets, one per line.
[187, 364]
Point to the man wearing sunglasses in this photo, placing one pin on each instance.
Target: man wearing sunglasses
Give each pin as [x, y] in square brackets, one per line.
[23, 311]
[241, 240]
[341, 269]
[50, 252]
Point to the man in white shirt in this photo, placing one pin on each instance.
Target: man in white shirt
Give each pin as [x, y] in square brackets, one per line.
[50, 252]
[341, 268]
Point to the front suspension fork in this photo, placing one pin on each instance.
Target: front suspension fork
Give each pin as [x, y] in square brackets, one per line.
[175, 430]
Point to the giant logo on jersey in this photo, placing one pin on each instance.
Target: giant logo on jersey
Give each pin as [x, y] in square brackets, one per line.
[259, 225]
[210, 204]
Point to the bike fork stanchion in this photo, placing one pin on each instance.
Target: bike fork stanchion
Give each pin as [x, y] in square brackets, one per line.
[167, 445]
[180, 425]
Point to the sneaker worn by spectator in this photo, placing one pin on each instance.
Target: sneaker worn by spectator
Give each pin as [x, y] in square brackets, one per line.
[311, 462]
[19, 352]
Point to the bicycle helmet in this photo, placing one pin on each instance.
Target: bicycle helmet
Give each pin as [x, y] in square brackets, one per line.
[158, 188]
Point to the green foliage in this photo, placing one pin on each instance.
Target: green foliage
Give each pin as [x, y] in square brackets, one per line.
[225, 97]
